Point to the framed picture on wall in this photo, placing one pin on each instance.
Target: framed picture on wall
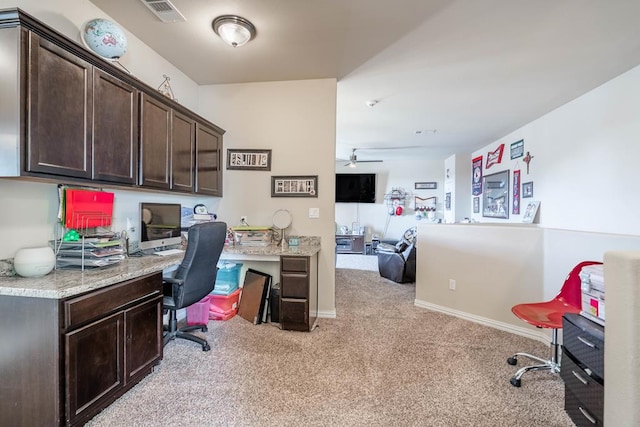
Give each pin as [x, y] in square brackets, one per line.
[495, 197]
[527, 189]
[476, 205]
[294, 186]
[259, 160]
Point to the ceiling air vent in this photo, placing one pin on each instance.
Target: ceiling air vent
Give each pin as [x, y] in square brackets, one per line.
[164, 10]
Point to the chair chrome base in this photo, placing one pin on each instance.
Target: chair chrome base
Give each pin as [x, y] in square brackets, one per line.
[172, 332]
[550, 364]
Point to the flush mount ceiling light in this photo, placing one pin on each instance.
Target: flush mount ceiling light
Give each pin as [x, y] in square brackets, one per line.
[234, 30]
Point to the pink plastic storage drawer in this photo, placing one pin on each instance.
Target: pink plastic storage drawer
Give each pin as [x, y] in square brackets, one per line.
[220, 316]
[222, 304]
[198, 313]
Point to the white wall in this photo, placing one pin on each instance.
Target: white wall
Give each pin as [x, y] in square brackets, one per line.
[297, 121]
[391, 174]
[585, 160]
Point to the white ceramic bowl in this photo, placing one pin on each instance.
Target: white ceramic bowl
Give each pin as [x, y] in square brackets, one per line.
[34, 262]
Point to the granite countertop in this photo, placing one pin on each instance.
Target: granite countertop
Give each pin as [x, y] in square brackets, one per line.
[64, 283]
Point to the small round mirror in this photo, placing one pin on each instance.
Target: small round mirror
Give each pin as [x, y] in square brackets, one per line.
[282, 220]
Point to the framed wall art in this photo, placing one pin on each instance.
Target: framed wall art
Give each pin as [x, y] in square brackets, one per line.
[249, 159]
[426, 185]
[495, 196]
[294, 186]
[527, 189]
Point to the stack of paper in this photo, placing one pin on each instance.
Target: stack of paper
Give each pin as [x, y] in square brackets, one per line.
[592, 288]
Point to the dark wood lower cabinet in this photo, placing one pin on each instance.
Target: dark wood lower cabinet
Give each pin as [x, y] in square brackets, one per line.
[298, 292]
[63, 361]
[94, 365]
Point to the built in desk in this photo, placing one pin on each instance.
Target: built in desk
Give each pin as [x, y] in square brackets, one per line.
[74, 341]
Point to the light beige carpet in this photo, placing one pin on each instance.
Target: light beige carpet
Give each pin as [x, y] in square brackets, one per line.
[381, 362]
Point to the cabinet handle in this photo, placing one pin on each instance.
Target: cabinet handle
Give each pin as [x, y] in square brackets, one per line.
[579, 377]
[587, 415]
[587, 343]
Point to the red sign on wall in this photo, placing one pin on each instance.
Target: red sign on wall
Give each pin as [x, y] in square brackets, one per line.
[495, 157]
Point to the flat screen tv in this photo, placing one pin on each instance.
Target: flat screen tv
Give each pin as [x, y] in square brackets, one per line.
[355, 188]
[160, 225]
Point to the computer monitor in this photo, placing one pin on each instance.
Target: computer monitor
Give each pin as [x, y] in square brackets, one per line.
[159, 225]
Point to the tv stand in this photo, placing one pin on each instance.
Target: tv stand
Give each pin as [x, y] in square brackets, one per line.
[350, 243]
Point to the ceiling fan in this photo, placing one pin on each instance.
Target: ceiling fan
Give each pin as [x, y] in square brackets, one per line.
[353, 160]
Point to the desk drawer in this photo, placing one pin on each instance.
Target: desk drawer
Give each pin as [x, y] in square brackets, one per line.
[580, 415]
[294, 285]
[294, 314]
[296, 264]
[586, 389]
[584, 339]
[103, 301]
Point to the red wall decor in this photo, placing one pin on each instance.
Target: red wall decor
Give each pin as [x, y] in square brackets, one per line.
[495, 157]
[516, 192]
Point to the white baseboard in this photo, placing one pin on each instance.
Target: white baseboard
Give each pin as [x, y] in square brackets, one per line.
[327, 314]
[527, 333]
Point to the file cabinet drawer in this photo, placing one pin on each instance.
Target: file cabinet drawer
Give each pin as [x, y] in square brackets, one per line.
[588, 391]
[584, 340]
[294, 314]
[580, 415]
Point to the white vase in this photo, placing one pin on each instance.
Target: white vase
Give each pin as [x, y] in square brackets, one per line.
[34, 262]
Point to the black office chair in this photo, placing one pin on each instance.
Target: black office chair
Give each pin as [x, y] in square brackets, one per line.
[194, 279]
[398, 262]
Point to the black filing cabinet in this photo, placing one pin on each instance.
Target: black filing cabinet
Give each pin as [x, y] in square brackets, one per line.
[583, 370]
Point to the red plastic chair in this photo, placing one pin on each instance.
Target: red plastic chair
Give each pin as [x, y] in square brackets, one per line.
[549, 315]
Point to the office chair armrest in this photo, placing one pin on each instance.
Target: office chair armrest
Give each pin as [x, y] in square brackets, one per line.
[173, 280]
[171, 286]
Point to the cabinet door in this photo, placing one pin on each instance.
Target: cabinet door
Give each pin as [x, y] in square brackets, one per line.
[144, 337]
[182, 152]
[59, 113]
[208, 161]
[94, 365]
[115, 129]
[155, 143]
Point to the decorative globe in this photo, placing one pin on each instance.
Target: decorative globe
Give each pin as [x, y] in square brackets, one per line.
[104, 38]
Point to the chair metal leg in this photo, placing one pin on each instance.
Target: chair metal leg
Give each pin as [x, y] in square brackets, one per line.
[552, 364]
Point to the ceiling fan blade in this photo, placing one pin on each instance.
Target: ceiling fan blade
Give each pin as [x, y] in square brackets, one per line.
[370, 161]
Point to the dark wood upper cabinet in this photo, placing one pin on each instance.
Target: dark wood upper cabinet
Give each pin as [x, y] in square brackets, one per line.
[75, 117]
[115, 129]
[155, 143]
[208, 161]
[59, 115]
[182, 152]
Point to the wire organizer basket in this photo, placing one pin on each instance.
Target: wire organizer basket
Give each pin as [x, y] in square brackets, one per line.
[96, 245]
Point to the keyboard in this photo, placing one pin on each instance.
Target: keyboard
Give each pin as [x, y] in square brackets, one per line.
[169, 252]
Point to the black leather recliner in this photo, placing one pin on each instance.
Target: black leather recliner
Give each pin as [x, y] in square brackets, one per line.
[398, 262]
[194, 279]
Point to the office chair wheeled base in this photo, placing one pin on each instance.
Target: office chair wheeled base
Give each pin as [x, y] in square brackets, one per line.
[550, 364]
[172, 332]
